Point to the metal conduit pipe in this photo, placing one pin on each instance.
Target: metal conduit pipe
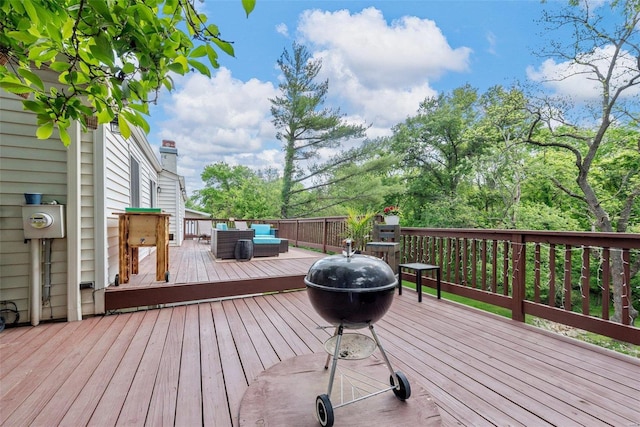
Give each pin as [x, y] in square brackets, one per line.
[36, 281]
[46, 296]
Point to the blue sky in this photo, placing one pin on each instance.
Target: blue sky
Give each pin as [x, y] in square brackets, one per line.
[381, 58]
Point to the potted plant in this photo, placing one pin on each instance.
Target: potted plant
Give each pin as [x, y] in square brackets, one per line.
[358, 227]
[391, 215]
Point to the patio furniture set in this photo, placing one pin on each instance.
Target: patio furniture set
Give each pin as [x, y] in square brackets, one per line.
[243, 243]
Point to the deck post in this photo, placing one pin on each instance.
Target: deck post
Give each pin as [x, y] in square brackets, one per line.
[324, 235]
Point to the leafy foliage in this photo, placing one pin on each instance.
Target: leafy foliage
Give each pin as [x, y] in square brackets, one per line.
[358, 227]
[111, 57]
[238, 192]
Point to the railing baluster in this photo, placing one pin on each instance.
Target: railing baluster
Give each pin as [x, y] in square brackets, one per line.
[585, 280]
[505, 268]
[567, 277]
[536, 278]
[552, 276]
[606, 283]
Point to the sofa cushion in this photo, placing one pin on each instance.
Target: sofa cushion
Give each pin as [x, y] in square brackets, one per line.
[265, 240]
[221, 226]
[262, 229]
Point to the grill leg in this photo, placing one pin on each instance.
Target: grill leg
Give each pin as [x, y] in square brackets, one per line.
[326, 364]
[384, 356]
[334, 365]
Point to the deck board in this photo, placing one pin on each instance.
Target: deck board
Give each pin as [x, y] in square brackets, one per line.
[189, 404]
[162, 405]
[191, 364]
[116, 394]
[193, 266]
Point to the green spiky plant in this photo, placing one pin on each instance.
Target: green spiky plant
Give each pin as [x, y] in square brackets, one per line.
[358, 227]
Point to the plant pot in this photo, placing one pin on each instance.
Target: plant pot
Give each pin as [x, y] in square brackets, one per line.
[392, 220]
[33, 198]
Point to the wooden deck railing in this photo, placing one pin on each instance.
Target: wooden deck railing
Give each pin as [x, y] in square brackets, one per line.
[564, 271]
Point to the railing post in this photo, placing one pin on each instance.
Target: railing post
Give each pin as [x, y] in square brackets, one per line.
[518, 268]
[324, 235]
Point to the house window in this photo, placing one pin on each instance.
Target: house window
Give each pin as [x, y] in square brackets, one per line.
[134, 191]
[153, 190]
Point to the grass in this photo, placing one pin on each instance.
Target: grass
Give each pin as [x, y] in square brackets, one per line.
[501, 311]
[599, 340]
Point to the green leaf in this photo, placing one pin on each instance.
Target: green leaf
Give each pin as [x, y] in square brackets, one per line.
[170, 7]
[54, 32]
[15, 87]
[225, 47]
[31, 77]
[103, 49]
[213, 56]
[203, 69]
[102, 8]
[47, 55]
[146, 13]
[31, 11]
[64, 136]
[45, 131]
[105, 115]
[23, 36]
[176, 68]
[34, 106]
[136, 119]
[128, 68]
[67, 29]
[199, 51]
[248, 5]
[59, 66]
[125, 130]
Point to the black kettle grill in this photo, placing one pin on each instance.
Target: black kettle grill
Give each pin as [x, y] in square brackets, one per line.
[352, 291]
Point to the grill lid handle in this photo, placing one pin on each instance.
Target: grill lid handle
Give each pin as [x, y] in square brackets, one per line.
[348, 248]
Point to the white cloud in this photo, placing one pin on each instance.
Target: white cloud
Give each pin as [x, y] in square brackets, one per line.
[282, 29]
[218, 119]
[378, 74]
[380, 70]
[492, 41]
[579, 82]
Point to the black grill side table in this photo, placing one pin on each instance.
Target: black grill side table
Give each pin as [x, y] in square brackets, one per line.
[419, 268]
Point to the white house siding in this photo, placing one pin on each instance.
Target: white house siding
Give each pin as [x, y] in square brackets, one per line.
[171, 201]
[28, 165]
[118, 185]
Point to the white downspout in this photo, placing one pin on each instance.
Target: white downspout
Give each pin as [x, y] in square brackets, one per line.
[74, 218]
[36, 281]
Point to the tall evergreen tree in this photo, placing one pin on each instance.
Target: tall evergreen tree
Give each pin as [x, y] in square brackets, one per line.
[305, 127]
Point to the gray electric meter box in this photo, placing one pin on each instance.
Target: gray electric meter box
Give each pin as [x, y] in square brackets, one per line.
[43, 221]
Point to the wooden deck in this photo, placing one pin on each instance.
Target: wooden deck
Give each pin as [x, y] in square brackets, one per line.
[190, 365]
[194, 274]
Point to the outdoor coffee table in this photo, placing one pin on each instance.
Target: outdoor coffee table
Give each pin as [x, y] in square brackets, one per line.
[419, 268]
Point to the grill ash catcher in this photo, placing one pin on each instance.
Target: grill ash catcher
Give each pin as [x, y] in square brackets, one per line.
[352, 291]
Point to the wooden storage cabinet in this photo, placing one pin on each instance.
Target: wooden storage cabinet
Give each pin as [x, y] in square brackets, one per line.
[142, 229]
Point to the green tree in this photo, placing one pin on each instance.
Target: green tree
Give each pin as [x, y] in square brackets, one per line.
[238, 192]
[500, 169]
[607, 58]
[111, 57]
[354, 180]
[437, 147]
[305, 128]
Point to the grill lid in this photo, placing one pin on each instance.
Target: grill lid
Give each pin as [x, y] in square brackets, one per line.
[354, 273]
